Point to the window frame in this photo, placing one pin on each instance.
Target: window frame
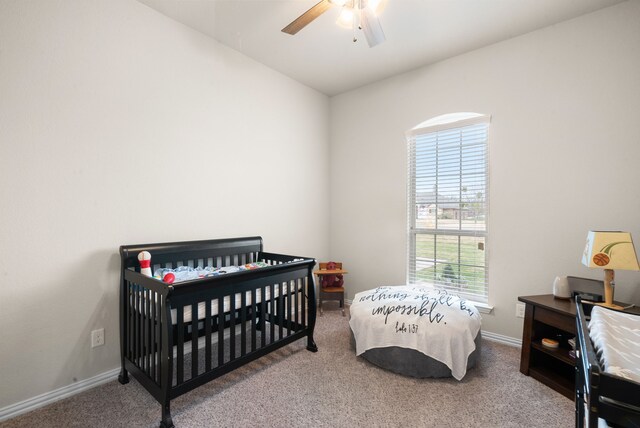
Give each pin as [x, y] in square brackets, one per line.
[437, 124]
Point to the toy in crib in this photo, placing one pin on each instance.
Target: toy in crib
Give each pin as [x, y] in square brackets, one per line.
[169, 277]
[181, 273]
[144, 258]
[252, 266]
[332, 280]
[187, 273]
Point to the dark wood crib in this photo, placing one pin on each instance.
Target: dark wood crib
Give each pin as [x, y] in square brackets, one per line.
[224, 321]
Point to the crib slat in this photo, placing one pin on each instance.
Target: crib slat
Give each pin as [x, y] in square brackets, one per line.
[263, 314]
[232, 327]
[143, 319]
[288, 308]
[131, 305]
[152, 348]
[148, 329]
[305, 293]
[254, 306]
[180, 344]
[145, 330]
[296, 285]
[141, 327]
[280, 310]
[137, 320]
[220, 331]
[272, 317]
[194, 339]
[159, 324]
[207, 331]
[134, 347]
[243, 323]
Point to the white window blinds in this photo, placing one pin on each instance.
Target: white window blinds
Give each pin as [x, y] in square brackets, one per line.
[448, 205]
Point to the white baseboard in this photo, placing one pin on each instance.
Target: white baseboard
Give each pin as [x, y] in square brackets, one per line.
[58, 394]
[505, 340]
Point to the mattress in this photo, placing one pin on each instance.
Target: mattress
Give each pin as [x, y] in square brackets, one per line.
[616, 339]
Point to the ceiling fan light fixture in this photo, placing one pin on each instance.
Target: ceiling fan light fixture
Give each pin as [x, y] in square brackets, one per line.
[345, 20]
[356, 14]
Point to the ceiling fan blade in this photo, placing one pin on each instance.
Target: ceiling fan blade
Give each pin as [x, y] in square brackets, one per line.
[304, 19]
[371, 27]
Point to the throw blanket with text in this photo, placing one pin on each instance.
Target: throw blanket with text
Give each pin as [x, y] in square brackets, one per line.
[439, 324]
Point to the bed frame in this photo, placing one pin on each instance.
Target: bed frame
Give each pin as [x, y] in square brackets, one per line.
[600, 394]
[277, 306]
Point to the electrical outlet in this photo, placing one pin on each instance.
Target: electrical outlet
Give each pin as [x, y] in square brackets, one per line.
[97, 337]
[520, 310]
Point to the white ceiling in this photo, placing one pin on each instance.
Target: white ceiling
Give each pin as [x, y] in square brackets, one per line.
[322, 55]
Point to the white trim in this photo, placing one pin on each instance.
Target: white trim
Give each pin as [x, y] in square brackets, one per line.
[505, 340]
[42, 400]
[483, 308]
[426, 128]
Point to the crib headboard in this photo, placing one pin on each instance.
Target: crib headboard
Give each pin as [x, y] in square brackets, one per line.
[172, 252]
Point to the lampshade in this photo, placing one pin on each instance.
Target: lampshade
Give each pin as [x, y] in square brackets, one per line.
[610, 250]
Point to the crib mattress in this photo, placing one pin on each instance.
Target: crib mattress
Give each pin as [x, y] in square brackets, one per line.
[616, 338]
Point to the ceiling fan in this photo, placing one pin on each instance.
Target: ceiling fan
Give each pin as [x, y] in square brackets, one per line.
[360, 14]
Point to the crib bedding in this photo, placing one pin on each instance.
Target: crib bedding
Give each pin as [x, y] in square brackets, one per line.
[616, 338]
[438, 324]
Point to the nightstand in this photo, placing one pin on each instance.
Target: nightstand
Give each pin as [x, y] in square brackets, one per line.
[546, 316]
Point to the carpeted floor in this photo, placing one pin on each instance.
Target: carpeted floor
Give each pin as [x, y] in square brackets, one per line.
[293, 387]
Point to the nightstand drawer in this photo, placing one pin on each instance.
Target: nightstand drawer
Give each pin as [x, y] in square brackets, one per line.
[555, 319]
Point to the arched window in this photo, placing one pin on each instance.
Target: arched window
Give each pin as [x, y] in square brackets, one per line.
[448, 204]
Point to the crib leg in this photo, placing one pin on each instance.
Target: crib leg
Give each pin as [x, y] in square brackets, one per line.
[311, 345]
[166, 421]
[123, 377]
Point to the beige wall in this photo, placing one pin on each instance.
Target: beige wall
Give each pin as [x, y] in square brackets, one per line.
[121, 126]
[564, 150]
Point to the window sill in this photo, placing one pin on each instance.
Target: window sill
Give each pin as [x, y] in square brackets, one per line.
[483, 308]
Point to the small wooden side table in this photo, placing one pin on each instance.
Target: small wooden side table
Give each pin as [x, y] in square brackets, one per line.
[547, 316]
[330, 293]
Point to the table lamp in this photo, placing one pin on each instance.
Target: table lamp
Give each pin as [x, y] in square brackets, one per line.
[609, 251]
